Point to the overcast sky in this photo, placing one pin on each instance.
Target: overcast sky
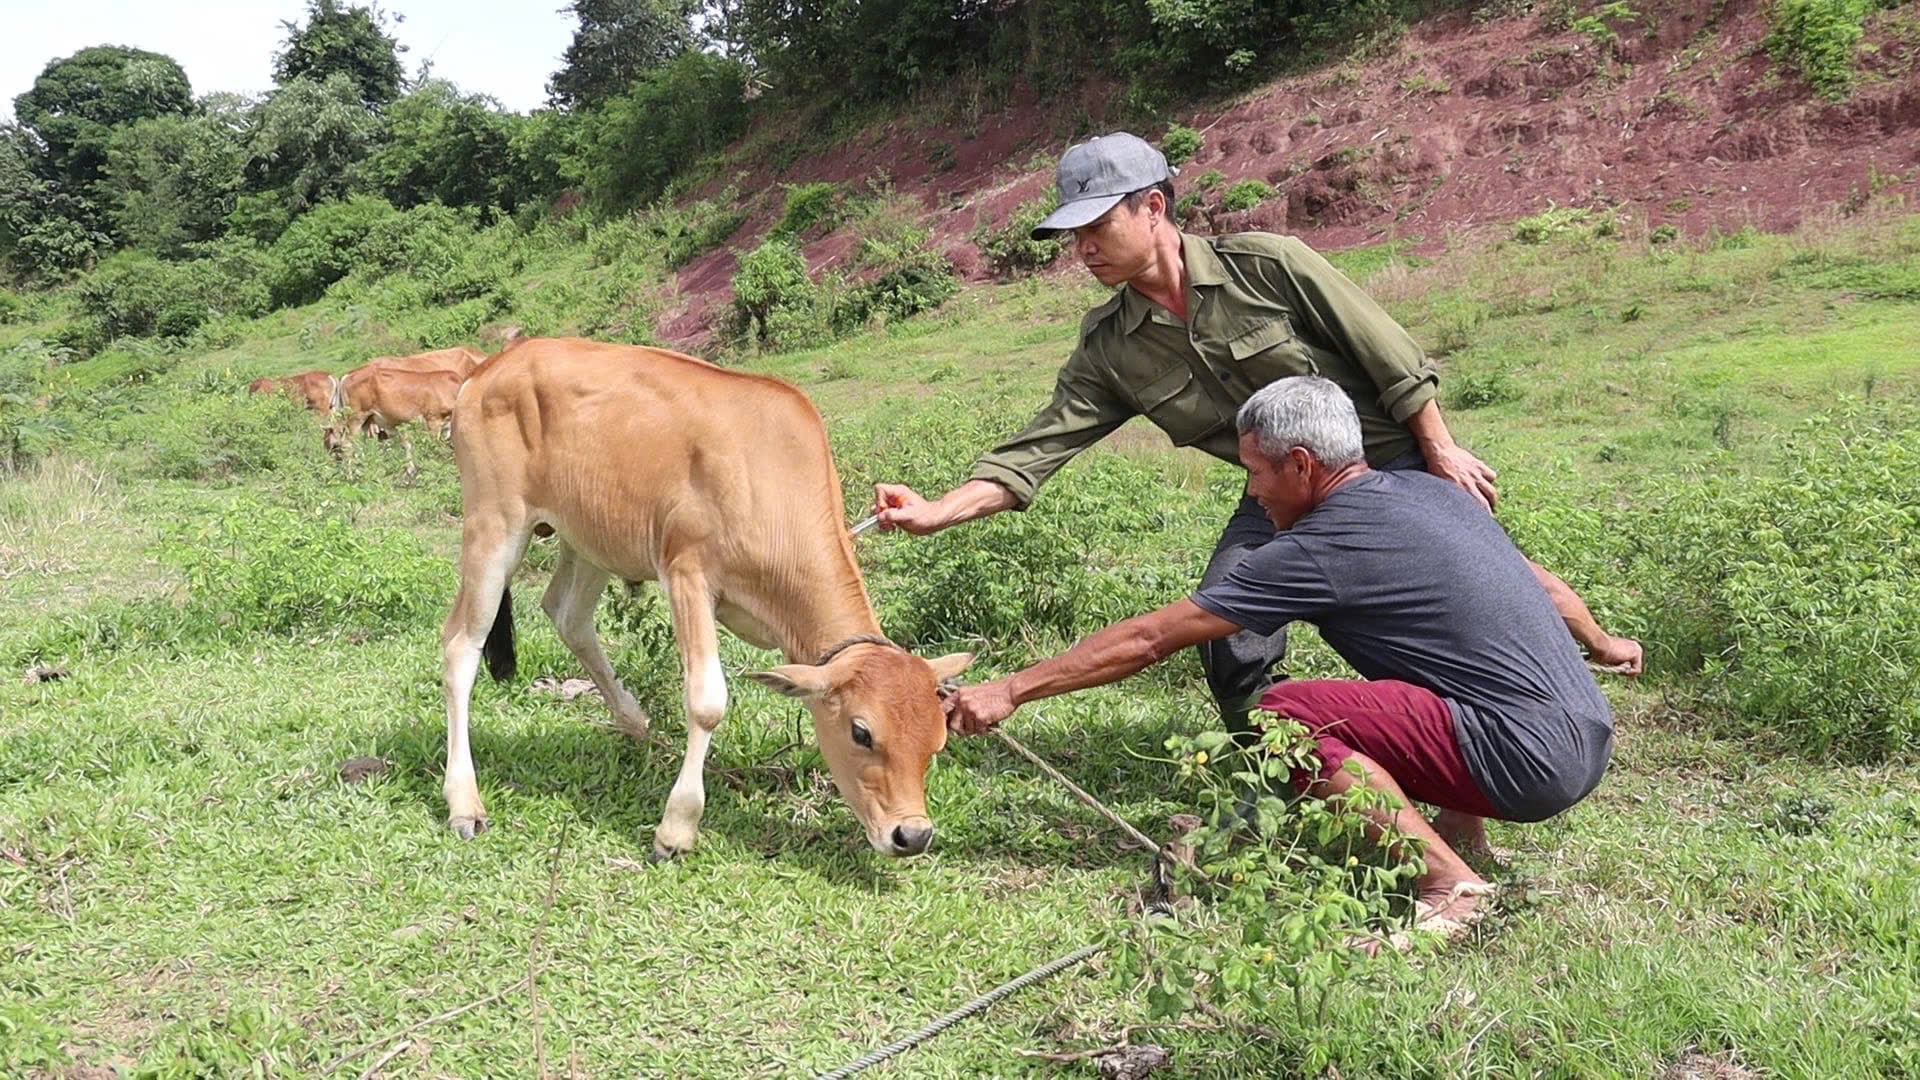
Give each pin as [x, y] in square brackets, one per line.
[505, 48]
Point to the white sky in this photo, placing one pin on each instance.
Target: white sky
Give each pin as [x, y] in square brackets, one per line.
[506, 48]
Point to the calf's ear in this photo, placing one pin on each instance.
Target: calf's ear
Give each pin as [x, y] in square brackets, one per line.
[949, 666]
[801, 681]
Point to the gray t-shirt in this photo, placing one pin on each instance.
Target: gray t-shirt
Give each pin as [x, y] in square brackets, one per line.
[1408, 578]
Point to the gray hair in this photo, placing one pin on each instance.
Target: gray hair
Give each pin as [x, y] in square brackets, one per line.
[1306, 411]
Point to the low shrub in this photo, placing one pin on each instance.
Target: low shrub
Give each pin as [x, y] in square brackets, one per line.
[1551, 222]
[217, 436]
[1818, 37]
[775, 303]
[1481, 389]
[1787, 600]
[262, 568]
[1011, 249]
[1290, 882]
[894, 280]
[1180, 143]
[12, 308]
[810, 206]
[1245, 195]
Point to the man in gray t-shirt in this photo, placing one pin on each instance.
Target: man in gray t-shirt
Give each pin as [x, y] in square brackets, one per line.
[1475, 700]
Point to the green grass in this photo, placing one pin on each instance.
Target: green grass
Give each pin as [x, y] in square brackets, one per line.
[187, 886]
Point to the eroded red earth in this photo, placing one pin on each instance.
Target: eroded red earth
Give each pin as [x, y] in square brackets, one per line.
[1462, 128]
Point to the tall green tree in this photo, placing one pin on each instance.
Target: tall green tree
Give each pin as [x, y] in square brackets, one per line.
[78, 100]
[171, 180]
[310, 141]
[349, 40]
[616, 43]
[633, 146]
[45, 233]
[448, 147]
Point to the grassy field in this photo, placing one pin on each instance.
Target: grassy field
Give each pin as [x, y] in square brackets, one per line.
[188, 887]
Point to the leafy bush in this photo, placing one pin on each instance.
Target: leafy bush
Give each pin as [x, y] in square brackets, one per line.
[682, 235]
[775, 303]
[894, 280]
[1246, 195]
[1011, 250]
[1557, 221]
[1481, 389]
[1601, 27]
[1790, 597]
[12, 308]
[257, 567]
[809, 206]
[323, 246]
[1290, 883]
[1180, 143]
[1818, 37]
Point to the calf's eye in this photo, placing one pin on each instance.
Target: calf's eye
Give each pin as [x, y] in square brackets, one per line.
[861, 735]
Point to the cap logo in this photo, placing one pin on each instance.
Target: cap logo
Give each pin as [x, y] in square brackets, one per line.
[1083, 186]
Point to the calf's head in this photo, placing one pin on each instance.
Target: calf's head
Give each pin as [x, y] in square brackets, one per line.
[877, 716]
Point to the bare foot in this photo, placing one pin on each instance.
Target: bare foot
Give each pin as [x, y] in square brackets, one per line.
[1467, 836]
[1457, 902]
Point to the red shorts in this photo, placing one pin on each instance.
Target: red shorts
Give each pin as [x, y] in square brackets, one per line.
[1406, 730]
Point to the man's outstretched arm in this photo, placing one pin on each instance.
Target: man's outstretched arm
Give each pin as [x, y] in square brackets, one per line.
[1125, 648]
[1621, 656]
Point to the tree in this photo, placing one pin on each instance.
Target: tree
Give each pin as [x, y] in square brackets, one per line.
[171, 180]
[635, 144]
[616, 43]
[310, 142]
[446, 146]
[44, 233]
[350, 41]
[77, 102]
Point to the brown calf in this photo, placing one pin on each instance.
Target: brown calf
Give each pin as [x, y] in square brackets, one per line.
[314, 389]
[652, 466]
[387, 399]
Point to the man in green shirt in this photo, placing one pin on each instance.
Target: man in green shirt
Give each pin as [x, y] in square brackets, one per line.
[1194, 327]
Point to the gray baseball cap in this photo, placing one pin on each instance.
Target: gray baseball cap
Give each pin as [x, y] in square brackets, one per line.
[1095, 175]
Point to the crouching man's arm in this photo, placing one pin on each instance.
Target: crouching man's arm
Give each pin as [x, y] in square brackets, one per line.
[1618, 655]
[1123, 649]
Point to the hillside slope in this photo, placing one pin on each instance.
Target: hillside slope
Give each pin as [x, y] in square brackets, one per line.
[1462, 126]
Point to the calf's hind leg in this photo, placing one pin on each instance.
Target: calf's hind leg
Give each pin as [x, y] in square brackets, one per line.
[489, 550]
[694, 630]
[571, 597]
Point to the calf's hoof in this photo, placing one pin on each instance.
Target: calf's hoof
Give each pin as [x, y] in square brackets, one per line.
[466, 828]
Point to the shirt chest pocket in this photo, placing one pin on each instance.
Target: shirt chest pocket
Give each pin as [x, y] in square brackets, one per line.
[1175, 403]
[1266, 349]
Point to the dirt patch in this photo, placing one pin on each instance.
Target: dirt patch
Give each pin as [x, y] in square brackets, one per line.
[1720, 1066]
[1462, 128]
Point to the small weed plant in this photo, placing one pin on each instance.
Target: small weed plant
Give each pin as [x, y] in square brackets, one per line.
[1245, 195]
[1291, 881]
[1180, 144]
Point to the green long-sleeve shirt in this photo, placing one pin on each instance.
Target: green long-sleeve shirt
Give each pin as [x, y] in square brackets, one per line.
[1260, 307]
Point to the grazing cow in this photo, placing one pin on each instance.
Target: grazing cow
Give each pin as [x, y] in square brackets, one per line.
[314, 389]
[653, 466]
[388, 399]
[460, 360]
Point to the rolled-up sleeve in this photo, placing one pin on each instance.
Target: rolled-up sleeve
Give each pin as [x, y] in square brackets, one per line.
[1350, 322]
[1083, 411]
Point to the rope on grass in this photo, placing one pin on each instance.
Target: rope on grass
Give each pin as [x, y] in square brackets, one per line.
[901, 1046]
[1157, 902]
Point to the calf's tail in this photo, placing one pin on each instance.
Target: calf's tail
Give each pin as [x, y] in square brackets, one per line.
[501, 661]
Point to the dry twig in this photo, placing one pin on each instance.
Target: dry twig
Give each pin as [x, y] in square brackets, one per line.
[335, 1064]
